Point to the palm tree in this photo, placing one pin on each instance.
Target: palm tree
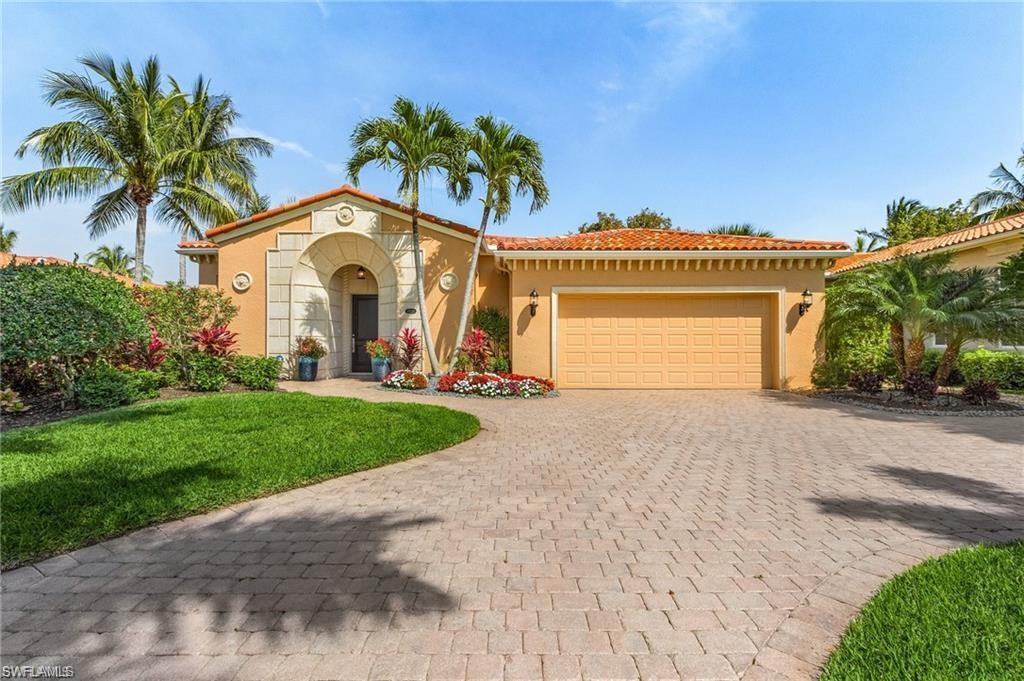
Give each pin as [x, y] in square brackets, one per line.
[975, 305]
[910, 294]
[742, 229]
[866, 242]
[129, 141]
[8, 238]
[508, 163]
[898, 215]
[416, 143]
[1007, 198]
[116, 260]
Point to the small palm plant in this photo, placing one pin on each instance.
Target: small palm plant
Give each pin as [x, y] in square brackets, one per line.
[416, 143]
[742, 229]
[1006, 198]
[116, 260]
[134, 144]
[509, 164]
[8, 238]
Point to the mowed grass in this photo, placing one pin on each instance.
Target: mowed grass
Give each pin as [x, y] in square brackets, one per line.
[68, 484]
[960, 616]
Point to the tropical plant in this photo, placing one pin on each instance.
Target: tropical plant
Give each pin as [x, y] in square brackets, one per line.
[649, 219]
[11, 402]
[980, 391]
[974, 305]
[8, 239]
[495, 323]
[508, 163]
[380, 348]
[146, 355]
[742, 229]
[908, 219]
[1006, 198]
[476, 347]
[919, 386]
[867, 243]
[866, 382]
[410, 348]
[309, 346]
[216, 341]
[136, 144]
[415, 143]
[906, 294]
[116, 260]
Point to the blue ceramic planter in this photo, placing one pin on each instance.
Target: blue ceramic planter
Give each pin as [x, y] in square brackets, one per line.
[381, 368]
[308, 368]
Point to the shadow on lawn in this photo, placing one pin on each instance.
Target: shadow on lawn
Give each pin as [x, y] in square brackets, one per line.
[996, 513]
[283, 581]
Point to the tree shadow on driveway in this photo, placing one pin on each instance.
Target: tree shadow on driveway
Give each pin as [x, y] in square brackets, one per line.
[992, 513]
[279, 580]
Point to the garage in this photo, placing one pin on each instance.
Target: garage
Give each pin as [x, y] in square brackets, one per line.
[664, 341]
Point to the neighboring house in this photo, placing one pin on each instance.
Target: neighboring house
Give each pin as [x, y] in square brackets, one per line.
[616, 309]
[985, 245]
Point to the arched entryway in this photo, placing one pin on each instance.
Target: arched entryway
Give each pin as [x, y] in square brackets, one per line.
[331, 301]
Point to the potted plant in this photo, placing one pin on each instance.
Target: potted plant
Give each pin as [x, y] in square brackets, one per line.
[380, 352]
[309, 351]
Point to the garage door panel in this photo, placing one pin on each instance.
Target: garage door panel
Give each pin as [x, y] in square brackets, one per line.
[663, 341]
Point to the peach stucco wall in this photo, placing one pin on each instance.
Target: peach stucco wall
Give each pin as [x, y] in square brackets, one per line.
[989, 255]
[248, 253]
[531, 336]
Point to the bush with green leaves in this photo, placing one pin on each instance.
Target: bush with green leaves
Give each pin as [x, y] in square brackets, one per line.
[147, 383]
[206, 373]
[830, 374]
[1005, 369]
[495, 323]
[64, 316]
[256, 373]
[177, 312]
[102, 386]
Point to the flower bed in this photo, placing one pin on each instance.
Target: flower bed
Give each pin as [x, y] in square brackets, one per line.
[494, 385]
[403, 379]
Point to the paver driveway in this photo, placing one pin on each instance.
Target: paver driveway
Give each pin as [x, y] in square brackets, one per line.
[603, 535]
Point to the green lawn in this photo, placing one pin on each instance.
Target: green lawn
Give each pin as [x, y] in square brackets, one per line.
[960, 616]
[72, 483]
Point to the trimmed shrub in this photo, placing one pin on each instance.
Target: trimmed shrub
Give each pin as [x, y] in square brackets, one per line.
[920, 387]
[103, 386]
[498, 365]
[867, 382]
[206, 373]
[256, 373]
[147, 383]
[63, 316]
[980, 391]
[830, 374]
[1005, 369]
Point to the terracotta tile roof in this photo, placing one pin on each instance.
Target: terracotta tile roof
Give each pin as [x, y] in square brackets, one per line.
[658, 240]
[1014, 223]
[340, 191]
[202, 243]
[12, 259]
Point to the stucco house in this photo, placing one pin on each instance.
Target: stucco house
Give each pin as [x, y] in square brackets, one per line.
[985, 245]
[614, 309]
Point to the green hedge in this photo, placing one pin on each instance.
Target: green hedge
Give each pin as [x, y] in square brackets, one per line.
[103, 386]
[256, 373]
[1004, 368]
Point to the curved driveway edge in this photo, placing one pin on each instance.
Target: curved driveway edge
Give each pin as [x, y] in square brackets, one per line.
[598, 535]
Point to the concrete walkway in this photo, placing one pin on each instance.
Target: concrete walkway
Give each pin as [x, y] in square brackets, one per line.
[599, 535]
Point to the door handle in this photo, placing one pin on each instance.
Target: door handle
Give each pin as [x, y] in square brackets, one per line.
[353, 344]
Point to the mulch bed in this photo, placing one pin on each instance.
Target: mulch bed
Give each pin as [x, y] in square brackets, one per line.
[944, 404]
[46, 408]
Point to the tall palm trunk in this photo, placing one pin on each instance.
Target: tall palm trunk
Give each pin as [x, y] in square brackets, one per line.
[421, 296]
[182, 269]
[914, 355]
[467, 297]
[140, 242]
[947, 362]
[896, 346]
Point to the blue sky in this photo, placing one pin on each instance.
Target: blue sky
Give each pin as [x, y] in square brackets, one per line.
[802, 118]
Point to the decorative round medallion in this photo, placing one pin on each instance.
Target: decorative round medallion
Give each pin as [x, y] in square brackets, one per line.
[241, 281]
[346, 216]
[448, 281]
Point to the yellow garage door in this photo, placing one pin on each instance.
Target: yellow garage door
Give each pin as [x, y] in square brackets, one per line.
[664, 341]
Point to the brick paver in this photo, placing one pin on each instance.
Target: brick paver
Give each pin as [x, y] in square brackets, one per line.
[600, 535]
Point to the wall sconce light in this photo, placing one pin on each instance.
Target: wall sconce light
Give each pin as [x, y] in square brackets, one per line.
[360, 273]
[533, 302]
[807, 301]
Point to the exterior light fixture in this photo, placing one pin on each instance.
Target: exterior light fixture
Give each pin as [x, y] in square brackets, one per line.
[533, 302]
[361, 274]
[807, 301]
